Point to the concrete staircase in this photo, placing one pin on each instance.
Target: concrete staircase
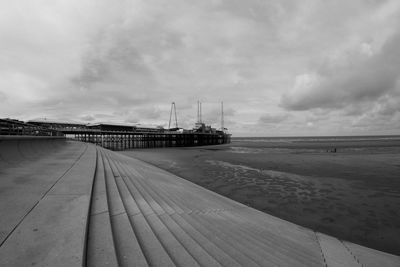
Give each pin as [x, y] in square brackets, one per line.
[107, 209]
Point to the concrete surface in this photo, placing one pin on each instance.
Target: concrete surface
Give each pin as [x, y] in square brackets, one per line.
[46, 203]
[67, 203]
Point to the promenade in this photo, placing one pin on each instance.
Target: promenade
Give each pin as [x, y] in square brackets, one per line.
[67, 203]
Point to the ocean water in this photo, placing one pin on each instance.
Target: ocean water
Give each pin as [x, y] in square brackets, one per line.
[357, 144]
[317, 139]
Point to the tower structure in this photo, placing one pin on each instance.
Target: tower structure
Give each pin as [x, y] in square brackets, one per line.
[222, 116]
[173, 107]
[199, 119]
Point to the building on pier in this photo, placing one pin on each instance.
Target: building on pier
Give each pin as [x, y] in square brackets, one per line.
[56, 125]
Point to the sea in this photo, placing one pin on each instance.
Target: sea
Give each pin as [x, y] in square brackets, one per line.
[317, 138]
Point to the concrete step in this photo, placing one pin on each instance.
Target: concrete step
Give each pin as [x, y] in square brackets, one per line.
[163, 177]
[201, 241]
[99, 202]
[175, 250]
[127, 199]
[370, 257]
[151, 246]
[159, 205]
[151, 205]
[152, 249]
[235, 239]
[276, 246]
[125, 241]
[207, 244]
[100, 244]
[262, 246]
[335, 253]
[115, 204]
[101, 250]
[225, 243]
[202, 202]
[128, 247]
[299, 240]
[208, 231]
[195, 250]
[192, 246]
[234, 251]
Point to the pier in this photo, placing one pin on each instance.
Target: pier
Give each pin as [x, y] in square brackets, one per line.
[121, 137]
[130, 140]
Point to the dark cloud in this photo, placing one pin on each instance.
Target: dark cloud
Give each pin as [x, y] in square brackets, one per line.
[375, 122]
[360, 78]
[389, 106]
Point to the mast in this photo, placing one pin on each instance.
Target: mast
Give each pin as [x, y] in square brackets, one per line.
[198, 111]
[222, 116]
[170, 116]
[176, 118]
[199, 119]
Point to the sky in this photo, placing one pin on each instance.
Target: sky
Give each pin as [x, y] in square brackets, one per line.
[282, 68]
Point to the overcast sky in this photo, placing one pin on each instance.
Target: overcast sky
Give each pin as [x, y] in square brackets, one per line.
[305, 67]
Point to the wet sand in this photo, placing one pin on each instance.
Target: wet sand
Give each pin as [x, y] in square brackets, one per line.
[353, 194]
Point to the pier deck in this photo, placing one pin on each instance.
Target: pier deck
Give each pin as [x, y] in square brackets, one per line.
[66, 203]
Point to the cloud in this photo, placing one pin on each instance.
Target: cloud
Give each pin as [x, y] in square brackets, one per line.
[88, 118]
[273, 118]
[3, 97]
[128, 60]
[150, 113]
[358, 76]
[107, 63]
[132, 120]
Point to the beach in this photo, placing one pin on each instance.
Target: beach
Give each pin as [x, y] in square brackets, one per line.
[346, 187]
